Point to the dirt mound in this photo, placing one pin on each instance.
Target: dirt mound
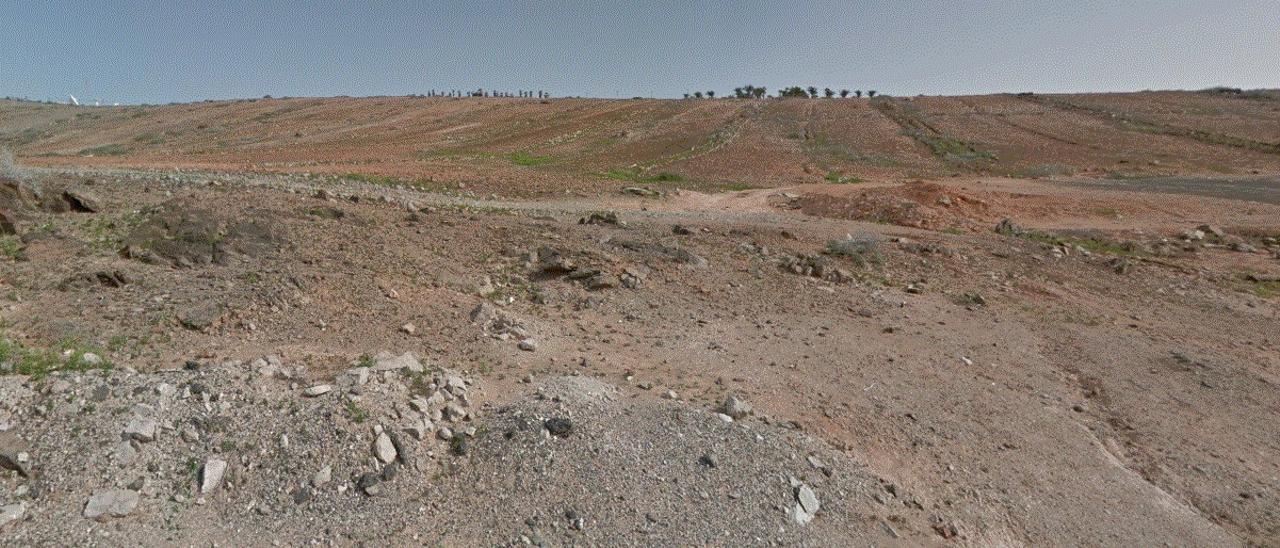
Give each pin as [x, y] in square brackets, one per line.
[186, 236]
[388, 453]
[919, 205]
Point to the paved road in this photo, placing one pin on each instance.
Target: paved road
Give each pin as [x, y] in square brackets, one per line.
[1255, 189]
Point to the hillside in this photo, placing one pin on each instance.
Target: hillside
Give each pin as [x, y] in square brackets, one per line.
[529, 145]
[1009, 332]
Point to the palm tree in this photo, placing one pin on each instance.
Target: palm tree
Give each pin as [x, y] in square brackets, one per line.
[828, 93]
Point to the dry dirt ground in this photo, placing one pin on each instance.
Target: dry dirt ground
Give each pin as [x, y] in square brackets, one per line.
[1099, 370]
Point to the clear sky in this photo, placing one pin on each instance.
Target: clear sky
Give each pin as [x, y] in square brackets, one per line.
[182, 50]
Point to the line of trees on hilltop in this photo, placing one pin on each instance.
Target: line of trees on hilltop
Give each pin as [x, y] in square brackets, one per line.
[488, 93]
[760, 92]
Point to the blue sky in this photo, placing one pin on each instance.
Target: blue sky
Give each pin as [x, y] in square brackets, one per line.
[163, 51]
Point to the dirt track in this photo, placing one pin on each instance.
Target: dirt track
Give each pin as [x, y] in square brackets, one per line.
[1254, 189]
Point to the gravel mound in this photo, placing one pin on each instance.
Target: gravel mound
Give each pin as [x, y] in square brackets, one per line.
[394, 450]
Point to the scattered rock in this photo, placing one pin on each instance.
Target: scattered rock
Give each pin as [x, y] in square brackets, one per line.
[317, 390]
[7, 227]
[323, 477]
[1212, 230]
[407, 361]
[142, 429]
[200, 317]
[11, 513]
[211, 475]
[111, 503]
[368, 484]
[384, 449]
[81, 200]
[1006, 227]
[528, 345]
[12, 448]
[558, 426]
[806, 504]
[735, 407]
[605, 218]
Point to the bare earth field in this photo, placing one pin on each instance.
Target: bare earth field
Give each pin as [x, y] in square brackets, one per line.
[1013, 320]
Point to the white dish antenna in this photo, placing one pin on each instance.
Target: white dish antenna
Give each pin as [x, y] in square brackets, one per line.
[73, 100]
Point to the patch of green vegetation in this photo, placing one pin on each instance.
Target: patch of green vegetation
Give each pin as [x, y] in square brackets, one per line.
[736, 187]
[366, 361]
[357, 414]
[837, 178]
[117, 343]
[11, 247]
[1267, 289]
[108, 232]
[527, 159]
[951, 149]
[635, 176]
[105, 150]
[826, 152]
[17, 359]
[267, 116]
[1092, 245]
[1105, 211]
[149, 139]
[863, 249]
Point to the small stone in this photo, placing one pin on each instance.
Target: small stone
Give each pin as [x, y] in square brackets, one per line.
[384, 449]
[142, 429]
[387, 362]
[735, 407]
[11, 513]
[91, 359]
[324, 476]
[528, 345]
[211, 475]
[368, 484]
[454, 412]
[808, 499]
[559, 426]
[444, 433]
[317, 390]
[408, 329]
[390, 471]
[114, 503]
[671, 395]
[302, 495]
